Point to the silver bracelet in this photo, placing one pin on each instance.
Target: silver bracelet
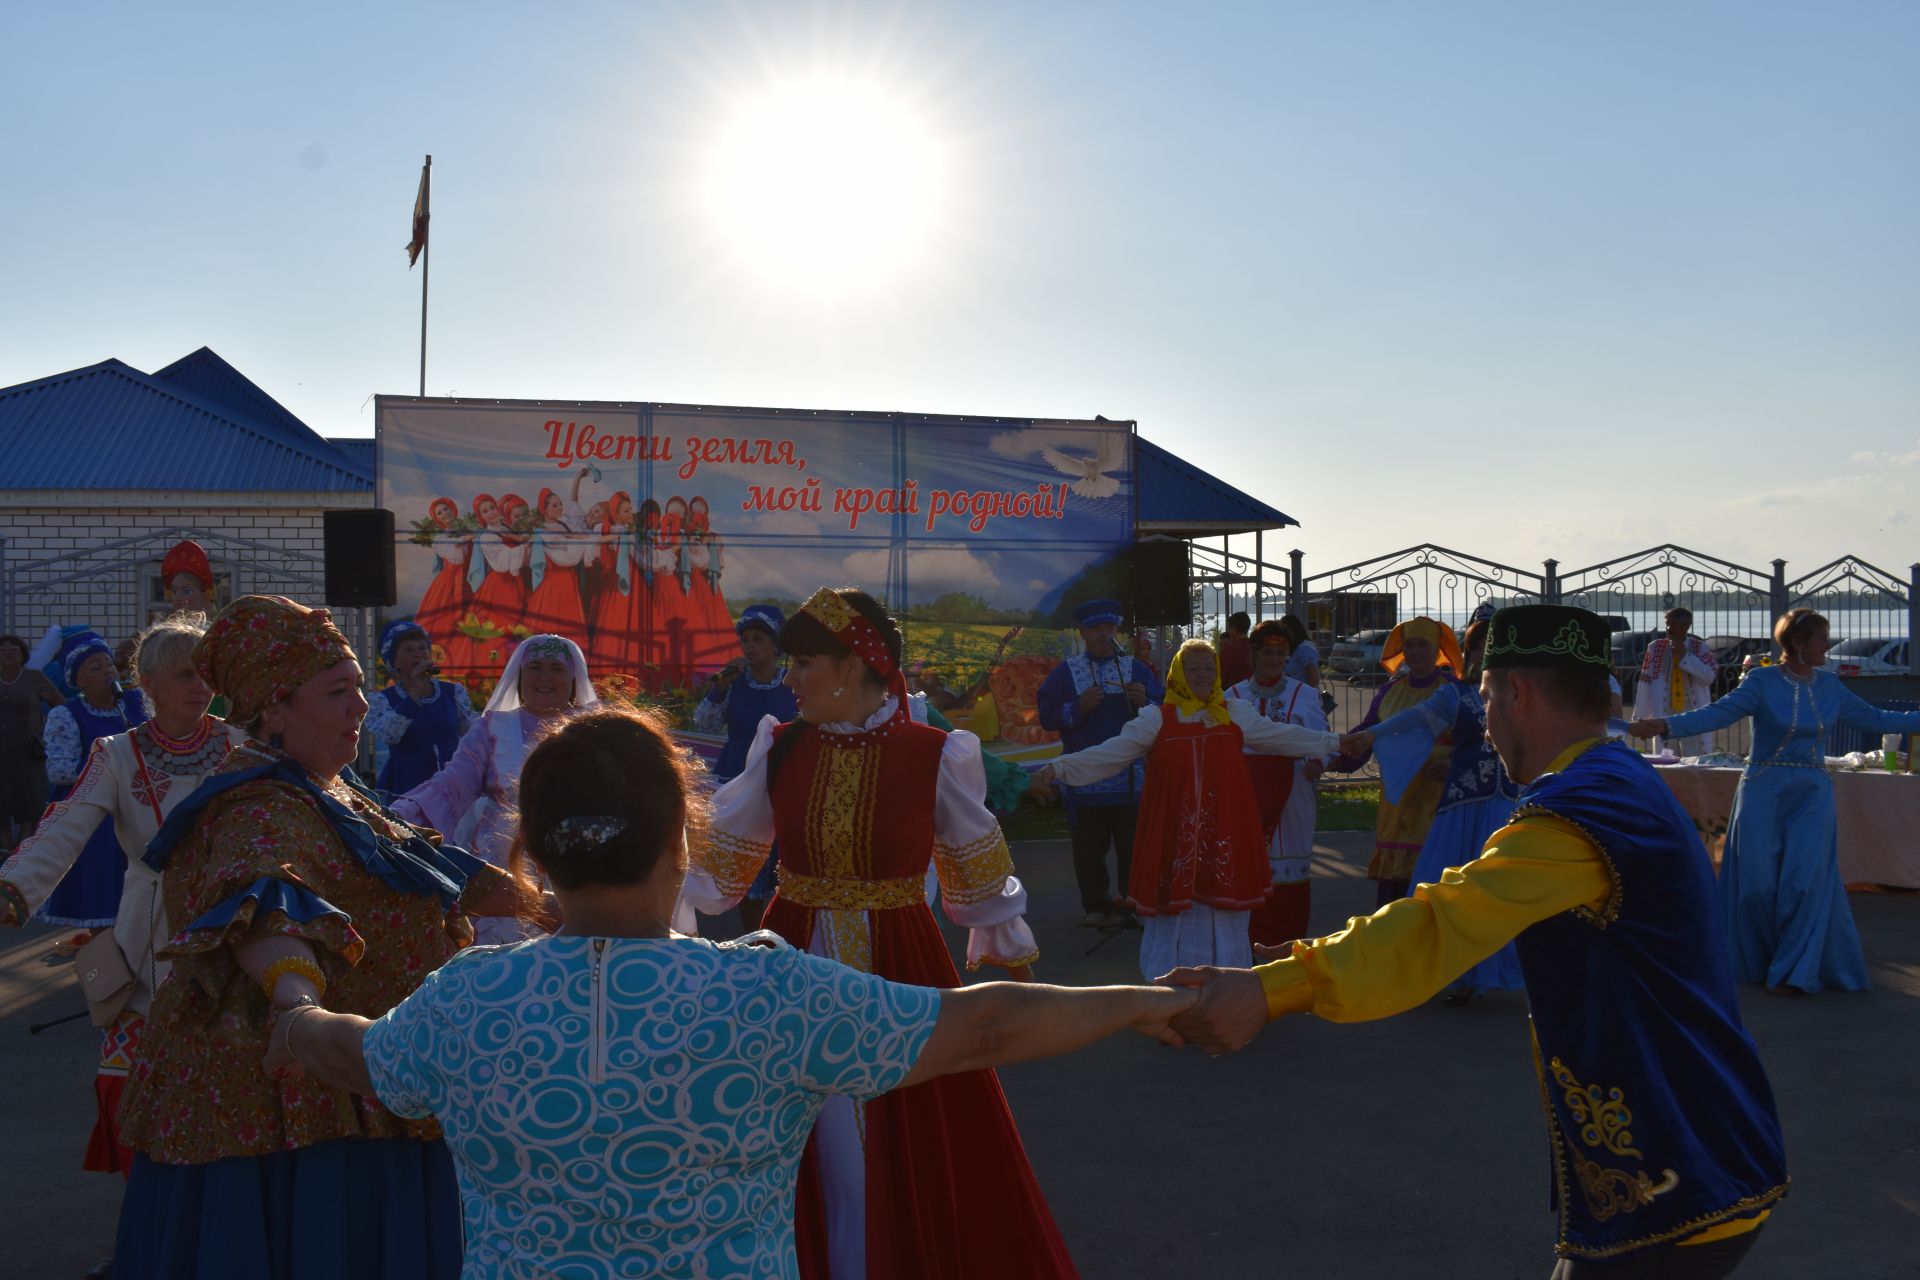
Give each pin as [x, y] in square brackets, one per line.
[293, 1015]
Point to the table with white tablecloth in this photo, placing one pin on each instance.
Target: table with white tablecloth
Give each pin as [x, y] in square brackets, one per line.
[1879, 816]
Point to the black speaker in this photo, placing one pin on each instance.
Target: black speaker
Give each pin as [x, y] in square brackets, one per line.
[1160, 597]
[359, 553]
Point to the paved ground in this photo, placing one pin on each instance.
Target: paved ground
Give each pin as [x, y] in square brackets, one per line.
[1408, 1147]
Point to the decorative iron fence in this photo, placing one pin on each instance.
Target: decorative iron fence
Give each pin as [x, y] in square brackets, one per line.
[115, 586]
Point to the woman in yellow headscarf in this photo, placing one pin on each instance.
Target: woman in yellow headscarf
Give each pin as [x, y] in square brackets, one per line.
[1423, 657]
[1200, 856]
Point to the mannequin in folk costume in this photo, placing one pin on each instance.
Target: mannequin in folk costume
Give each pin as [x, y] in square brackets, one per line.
[1283, 785]
[420, 719]
[560, 542]
[928, 1181]
[448, 597]
[1200, 858]
[544, 681]
[1676, 676]
[1423, 657]
[89, 896]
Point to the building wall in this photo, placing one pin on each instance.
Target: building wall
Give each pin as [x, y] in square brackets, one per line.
[60, 564]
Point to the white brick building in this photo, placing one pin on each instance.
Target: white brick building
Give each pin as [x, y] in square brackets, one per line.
[104, 468]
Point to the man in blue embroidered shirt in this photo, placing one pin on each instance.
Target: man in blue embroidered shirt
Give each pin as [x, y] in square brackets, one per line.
[1088, 699]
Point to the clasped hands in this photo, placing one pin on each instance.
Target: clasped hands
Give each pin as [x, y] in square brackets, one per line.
[1229, 1010]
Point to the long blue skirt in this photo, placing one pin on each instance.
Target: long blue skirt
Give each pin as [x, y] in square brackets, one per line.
[351, 1209]
[1455, 839]
[1786, 911]
[88, 896]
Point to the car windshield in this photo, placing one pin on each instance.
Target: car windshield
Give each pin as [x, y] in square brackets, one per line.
[1860, 648]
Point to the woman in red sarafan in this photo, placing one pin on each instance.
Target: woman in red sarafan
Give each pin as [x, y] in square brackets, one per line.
[620, 606]
[930, 1181]
[1199, 853]
[673, 628]
[446, 598]
[494, 569]
[714, 641]
[559, 543]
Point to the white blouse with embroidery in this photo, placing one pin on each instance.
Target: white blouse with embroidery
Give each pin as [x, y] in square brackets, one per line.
[990, 905]
[1261, 736]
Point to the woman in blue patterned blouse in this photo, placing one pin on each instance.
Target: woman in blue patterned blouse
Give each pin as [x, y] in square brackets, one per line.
[617, 1092]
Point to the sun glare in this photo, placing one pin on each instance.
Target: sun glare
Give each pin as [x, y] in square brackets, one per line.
[829, 185]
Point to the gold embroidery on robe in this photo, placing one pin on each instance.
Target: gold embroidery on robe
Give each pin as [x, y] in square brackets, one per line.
[973, 872]
[1605, 1120]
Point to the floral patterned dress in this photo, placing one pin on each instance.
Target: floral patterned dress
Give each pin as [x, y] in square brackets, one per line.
[265, 849]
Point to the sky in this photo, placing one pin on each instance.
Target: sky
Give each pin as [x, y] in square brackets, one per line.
[1523, 280]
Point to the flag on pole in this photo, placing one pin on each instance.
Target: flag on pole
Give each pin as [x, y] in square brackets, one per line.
[418, 244]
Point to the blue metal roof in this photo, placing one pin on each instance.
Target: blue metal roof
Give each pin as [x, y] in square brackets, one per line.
[207, 378]
[355, 449]
[110, 426]
[1179, 498]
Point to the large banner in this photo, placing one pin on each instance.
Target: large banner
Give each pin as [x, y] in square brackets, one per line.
[642, 530]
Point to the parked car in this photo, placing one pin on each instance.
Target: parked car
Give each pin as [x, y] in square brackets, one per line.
[1731, 654]
[1864, 657]
[1358, 656]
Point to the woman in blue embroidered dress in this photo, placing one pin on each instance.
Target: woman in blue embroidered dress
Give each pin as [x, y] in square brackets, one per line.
[622, 1100]
[1787, 918]
[89, 895]
[419, 719]
[739, 696]
[286, 883]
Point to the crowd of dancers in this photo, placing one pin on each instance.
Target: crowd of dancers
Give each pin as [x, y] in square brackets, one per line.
[308, 1070]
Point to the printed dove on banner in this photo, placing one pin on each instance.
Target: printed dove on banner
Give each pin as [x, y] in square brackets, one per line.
[1094, 477]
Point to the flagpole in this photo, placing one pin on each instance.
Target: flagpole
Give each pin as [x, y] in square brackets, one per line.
[426, 262]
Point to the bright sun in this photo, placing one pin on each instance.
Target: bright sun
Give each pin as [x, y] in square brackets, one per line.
[827, 185]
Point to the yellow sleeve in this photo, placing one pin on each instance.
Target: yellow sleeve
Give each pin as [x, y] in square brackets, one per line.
[1396, 958]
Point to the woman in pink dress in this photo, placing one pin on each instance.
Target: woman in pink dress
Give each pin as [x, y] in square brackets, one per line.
[447, 597]
[714, 641]
[560, 542]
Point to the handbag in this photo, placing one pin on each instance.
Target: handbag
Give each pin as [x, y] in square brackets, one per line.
[106, 979]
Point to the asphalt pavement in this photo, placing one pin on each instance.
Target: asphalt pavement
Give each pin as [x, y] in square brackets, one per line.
[1410, 1147]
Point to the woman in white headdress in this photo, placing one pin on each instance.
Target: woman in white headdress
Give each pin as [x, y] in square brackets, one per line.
[545, 681]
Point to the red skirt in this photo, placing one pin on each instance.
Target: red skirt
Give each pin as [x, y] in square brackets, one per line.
[443, 604]
[1199, 837]
[501, 600]
[556, 606]
[950, 1194]
[119, 1050]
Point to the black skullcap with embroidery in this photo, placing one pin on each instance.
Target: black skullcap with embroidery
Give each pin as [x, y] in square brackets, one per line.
[1548, 635]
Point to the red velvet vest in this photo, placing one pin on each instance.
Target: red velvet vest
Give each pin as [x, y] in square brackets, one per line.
[852, 809]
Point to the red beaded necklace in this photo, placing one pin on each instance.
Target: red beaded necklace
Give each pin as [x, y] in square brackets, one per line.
[181, 746]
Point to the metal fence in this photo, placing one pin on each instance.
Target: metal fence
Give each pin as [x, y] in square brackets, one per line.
[1873, 614]
[110, 586]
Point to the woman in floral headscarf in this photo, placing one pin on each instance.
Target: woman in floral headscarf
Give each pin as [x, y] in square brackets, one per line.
[1200, 855]
[545, 680]
[1423, 657]
[286, 883]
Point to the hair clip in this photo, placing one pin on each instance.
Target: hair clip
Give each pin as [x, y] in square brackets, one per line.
[582, 834]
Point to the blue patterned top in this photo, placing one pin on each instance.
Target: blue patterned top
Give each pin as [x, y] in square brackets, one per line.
[638, 1106]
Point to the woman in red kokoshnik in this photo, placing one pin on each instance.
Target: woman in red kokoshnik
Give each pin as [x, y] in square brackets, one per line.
[672, 625]
[1200, 854]
[559, 543]
[929, 1181]
[714, 641]
[448, 596]
[620, 607]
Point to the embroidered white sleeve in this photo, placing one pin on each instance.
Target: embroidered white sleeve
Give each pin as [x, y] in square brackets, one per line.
[1271, 738]
[721, 868]
[60, 735]
[978, 889]
[1104, 759]
[46, 856]
[463, 702]
[383, 722]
